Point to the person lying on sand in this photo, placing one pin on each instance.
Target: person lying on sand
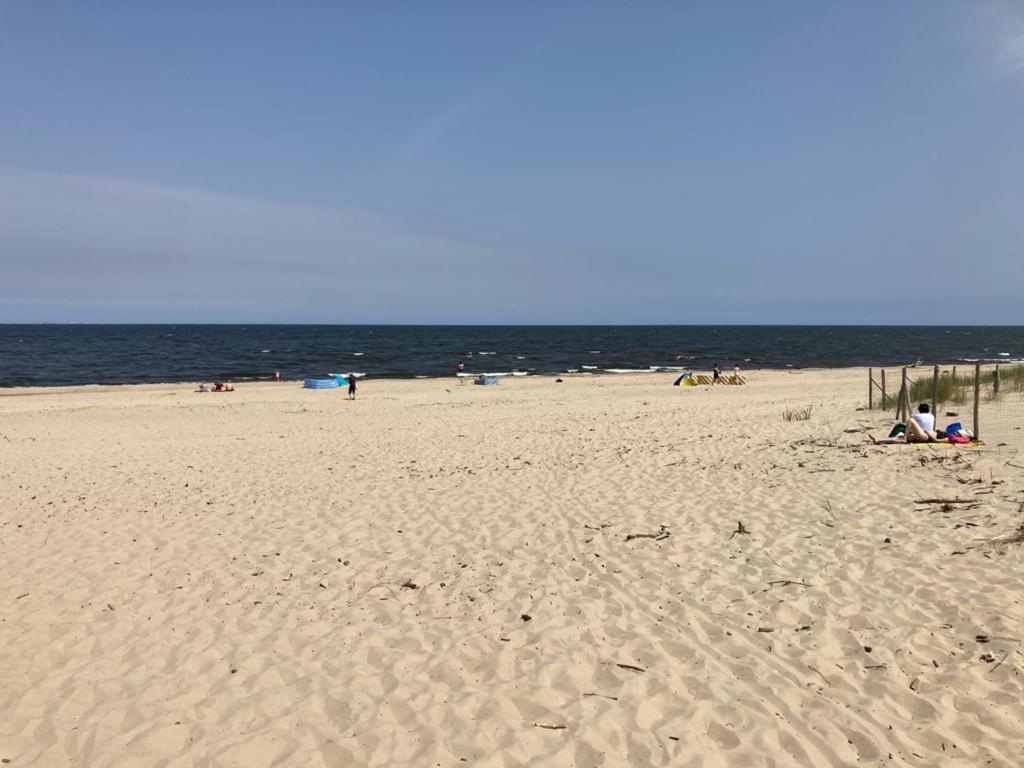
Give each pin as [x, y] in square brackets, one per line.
[921, 429]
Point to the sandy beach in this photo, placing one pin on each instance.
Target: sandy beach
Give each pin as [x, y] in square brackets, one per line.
[606, 571]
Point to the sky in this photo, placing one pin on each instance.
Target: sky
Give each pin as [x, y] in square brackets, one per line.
[527, 162]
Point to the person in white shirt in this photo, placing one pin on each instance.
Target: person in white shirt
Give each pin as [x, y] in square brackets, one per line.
[920, 429]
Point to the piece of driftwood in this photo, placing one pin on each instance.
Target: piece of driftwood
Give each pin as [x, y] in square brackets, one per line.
[787, 582]
[664, 533]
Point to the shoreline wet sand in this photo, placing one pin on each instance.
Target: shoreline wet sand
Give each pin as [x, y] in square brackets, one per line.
[604, 571]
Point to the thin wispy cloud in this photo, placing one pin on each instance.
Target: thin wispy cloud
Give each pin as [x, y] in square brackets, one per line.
[93, 239]
[1001, 27]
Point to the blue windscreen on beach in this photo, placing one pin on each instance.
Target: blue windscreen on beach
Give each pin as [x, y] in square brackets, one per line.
[37, 355]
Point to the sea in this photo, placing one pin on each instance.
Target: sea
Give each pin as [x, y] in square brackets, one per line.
[55, 355]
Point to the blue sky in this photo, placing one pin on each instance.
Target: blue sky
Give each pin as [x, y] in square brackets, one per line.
[785, 162]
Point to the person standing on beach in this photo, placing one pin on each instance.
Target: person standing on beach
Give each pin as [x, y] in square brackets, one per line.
[716, 375]
[736, 374]
[351, 386]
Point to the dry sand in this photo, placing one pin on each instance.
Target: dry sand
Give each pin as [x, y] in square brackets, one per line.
[433, 573]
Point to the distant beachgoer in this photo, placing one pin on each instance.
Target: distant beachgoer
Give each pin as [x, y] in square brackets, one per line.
[460, 367]
[351, 386]
[277, 375]
[920, 429]
[716, 375]
[736, 374]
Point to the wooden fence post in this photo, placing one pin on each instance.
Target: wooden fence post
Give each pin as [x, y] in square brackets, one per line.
[904, 396]
[883, 389]
[871, 388]
[995, 381]
[977, 397]
[935, 392]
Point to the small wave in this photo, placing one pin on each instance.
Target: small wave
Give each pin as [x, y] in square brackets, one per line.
[487, 353]
[264, 351]
[358, 354]
[1004, 354]
[595, 351]
[589, 367]
[572, 370]
[520, 357]
[627, 370]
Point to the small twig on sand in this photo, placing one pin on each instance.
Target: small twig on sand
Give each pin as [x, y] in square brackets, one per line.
[664, 533]
[787, 582]
[1005, 654]
[739, 529]
[385, 586]
[946, 501]
[631, 668]
[815, 671]
[603, 696]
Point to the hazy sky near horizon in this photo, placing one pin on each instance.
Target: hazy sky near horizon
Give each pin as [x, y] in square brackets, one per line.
[577, 162]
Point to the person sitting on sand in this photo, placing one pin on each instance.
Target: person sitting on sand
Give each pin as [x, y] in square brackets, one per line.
[921, 429]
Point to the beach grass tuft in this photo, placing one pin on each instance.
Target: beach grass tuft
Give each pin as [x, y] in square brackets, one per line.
[797, 414]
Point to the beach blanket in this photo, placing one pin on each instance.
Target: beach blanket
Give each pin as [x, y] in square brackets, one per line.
[947, 444]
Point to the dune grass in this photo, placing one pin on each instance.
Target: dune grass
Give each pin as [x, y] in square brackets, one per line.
[959, 389]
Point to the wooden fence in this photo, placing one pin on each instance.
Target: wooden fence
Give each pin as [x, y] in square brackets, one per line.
[992, 396]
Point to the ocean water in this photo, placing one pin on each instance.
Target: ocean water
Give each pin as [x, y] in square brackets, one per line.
[38, 355]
